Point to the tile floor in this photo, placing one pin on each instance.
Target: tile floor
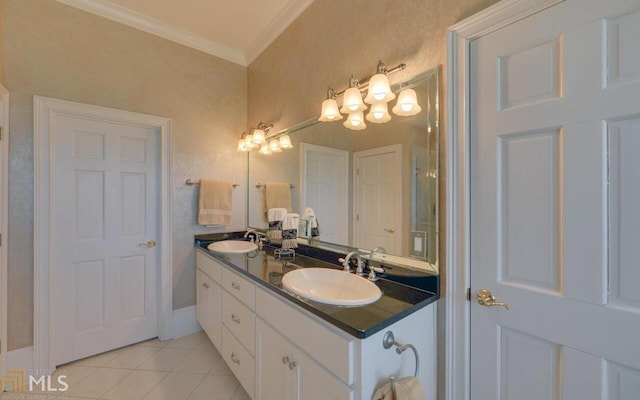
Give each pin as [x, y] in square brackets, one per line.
[188, 368]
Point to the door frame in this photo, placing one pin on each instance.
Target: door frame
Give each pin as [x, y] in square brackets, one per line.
[45, 110]
[305, 149]
[4, 223]
[457, 306]
[396, 148]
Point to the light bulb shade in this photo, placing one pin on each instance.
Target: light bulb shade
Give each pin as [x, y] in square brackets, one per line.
[379, 90]
[285, 142]
[407, 103]
[242, 145]
[264, 149]
[355, 121]
[274, 145]
[259, 136]
[330, 111]
[248, 142]
[352, 101]
[379, 113]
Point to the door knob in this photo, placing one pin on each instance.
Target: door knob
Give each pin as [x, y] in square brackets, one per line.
[390, 230]
[487, 299]
[150, 243]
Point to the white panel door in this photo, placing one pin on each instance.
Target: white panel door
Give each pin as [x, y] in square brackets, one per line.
[378, 199]
[324, 187]
[106, 213]
[555, 194]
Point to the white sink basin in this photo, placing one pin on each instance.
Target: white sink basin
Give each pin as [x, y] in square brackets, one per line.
[233, 247]
[330, 286]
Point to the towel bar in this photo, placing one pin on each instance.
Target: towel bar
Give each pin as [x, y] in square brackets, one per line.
[192, 182]
[389, 340]
[261, 185]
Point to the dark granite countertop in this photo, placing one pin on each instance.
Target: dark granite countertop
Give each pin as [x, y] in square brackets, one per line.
[398, 300]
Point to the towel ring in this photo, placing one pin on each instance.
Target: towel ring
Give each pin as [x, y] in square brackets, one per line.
[389, 340]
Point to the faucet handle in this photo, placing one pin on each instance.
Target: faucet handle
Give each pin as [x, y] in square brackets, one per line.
[345, 264]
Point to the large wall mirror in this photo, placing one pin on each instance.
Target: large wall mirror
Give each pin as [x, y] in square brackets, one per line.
[376, 187]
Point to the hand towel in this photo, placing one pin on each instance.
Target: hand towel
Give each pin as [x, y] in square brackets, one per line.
[408, 388]
[310, 227]
[275, 217]
[290, 231]
[277, 195]
[215, 202]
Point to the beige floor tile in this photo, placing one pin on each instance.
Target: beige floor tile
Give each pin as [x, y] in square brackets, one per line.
[135, 386]
[199, 361]
[188, 342]
[97, 360]
[26, 396]
[164, 359]
[98, 382]
[149, 343]
[215, 387]
[221, 368]
[175, 386]
[70, 374]
[131, 357]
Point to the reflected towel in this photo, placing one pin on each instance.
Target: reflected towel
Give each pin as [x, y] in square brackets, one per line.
[215, 202]
[408, 388]
[275, 217]
[290, 231]
[277, 195]
[310, 227]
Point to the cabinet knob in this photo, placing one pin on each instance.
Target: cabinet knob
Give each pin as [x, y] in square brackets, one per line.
[235, 319]
[285, 359]
[205, 285]
[235, 285]
[292, 364]
[235, 358]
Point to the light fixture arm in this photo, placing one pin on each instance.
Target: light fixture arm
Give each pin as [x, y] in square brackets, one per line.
[264, 126]
[363, 84]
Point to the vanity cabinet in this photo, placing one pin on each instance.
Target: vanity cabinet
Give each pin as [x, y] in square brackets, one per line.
[209, 297]
[285, 372]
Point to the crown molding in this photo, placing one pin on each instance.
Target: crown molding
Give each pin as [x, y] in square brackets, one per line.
[139, 21]
[281, 22]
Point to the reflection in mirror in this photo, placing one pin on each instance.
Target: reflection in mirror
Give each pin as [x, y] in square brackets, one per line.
[374, 188]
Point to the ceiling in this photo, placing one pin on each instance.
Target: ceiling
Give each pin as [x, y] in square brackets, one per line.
[236, 30]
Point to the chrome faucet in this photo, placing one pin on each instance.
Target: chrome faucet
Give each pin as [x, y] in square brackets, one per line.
[372, 269]
[249, 232]
[378, 249]
[347, 258]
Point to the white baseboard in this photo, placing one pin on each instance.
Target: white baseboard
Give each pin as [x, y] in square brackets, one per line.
[185, 321]
[21, 359]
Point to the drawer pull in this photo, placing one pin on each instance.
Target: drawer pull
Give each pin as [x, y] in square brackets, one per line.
[205, 285]
[292, 364]
[285, 359]
[235, 358]
[235, 285]
[235, 319]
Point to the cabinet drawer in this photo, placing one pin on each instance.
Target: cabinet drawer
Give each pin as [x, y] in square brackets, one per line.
[239, 361]
[240, 320]
[209, 266]
[330, 348]
[243, 289]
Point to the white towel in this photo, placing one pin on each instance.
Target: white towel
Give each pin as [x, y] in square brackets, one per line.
[290, 231]
[408, 388]
[310, 227]
[275, 217]
[214, 202]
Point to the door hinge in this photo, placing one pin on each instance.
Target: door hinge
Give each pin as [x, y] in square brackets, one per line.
[357, 217]
[468, 294]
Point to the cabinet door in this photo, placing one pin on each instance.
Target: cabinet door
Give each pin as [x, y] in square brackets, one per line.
[278, 371]
[203, 312]
[215, 314]
[316, 383]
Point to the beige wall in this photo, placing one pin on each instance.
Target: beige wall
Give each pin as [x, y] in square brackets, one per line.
[56, 51]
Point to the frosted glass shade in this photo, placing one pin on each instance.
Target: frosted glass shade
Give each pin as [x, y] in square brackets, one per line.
[355, 121]
[352, 101]
[330, 111]
[242, 145]
[259, 136]
[379, 113]
[264, 149]
[407, 103]
[379, 90]
[248, 142]
[274, 146]
[285, 142]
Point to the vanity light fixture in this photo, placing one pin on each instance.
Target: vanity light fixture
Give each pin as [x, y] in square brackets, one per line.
[255, 138]
[264, 149]
[379, 93]
[274, 146]
[285, 142]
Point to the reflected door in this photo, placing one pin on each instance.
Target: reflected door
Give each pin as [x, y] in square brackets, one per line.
[378, 200]
[106, 206]
[555, 188]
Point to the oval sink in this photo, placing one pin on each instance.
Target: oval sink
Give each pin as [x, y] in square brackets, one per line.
[330, 286]
[232, 246]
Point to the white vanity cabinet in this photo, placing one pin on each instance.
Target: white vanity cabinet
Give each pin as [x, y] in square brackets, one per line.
[209, 297]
